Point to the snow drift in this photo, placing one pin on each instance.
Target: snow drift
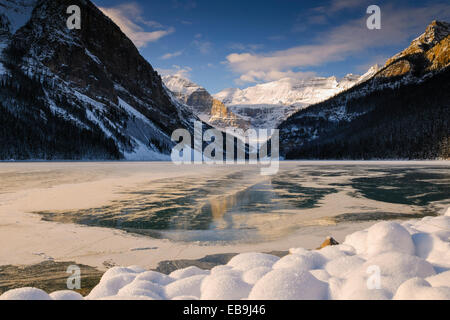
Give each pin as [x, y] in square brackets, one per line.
[390, 260]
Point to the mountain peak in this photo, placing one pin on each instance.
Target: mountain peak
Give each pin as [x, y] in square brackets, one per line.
[426, 53]
[435, 32]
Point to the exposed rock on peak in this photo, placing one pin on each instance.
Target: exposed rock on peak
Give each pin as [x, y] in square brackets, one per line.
[426, 53]
[202, 104]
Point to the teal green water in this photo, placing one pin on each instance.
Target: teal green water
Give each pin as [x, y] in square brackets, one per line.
[241, 206]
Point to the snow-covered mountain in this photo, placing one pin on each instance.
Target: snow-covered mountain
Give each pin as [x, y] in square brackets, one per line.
[267, 105]
[79, 94]
[288, 91]
[264, 106]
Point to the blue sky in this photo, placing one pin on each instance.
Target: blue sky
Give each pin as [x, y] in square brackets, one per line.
[223, 44]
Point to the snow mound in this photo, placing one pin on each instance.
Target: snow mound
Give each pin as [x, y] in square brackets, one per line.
[185, 287]
[188, 272]
[409, 260]
[420, 289]
[224, 287]
[155, 277]
[25, 294]
[285, 285]
[66, 295]
[388, 236]
[248, 261]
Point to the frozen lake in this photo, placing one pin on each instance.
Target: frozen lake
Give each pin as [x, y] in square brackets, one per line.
[227, 204]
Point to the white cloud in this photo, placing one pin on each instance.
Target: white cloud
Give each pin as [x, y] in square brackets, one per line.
[176, 70]
[128, 17]
[339, 43]
[171, 55]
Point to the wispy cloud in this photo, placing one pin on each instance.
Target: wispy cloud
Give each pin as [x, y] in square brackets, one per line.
[176, 70]
[244, 47]
[130, 20]
[171, 55]
[336, 44]
[321, 15]
[204, 47]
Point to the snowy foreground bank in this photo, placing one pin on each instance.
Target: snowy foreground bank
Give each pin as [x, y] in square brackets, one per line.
[390, 260]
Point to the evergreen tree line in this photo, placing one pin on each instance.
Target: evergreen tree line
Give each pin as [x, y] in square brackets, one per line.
[30, 130]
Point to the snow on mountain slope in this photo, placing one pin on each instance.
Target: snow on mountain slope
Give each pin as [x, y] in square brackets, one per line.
[180, 85]
[369, 74]
[263, 116]
[287, 91]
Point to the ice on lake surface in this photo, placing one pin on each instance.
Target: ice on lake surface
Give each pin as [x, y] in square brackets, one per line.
[236, 203]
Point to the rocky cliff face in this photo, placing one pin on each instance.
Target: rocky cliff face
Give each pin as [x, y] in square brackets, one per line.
[202, 104]
[399, 111]
[428, 52]
[91, 80]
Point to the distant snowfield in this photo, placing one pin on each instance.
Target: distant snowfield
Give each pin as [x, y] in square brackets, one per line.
[389, 260]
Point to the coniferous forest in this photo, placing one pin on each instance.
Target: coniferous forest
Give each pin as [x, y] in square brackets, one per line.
[30, 130]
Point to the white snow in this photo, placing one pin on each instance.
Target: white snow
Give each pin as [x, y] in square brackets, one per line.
[396, 254]
[287, 91]
[66, 295]
[180, 85]
[93, 57]
[142, 153]
[25, 294]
